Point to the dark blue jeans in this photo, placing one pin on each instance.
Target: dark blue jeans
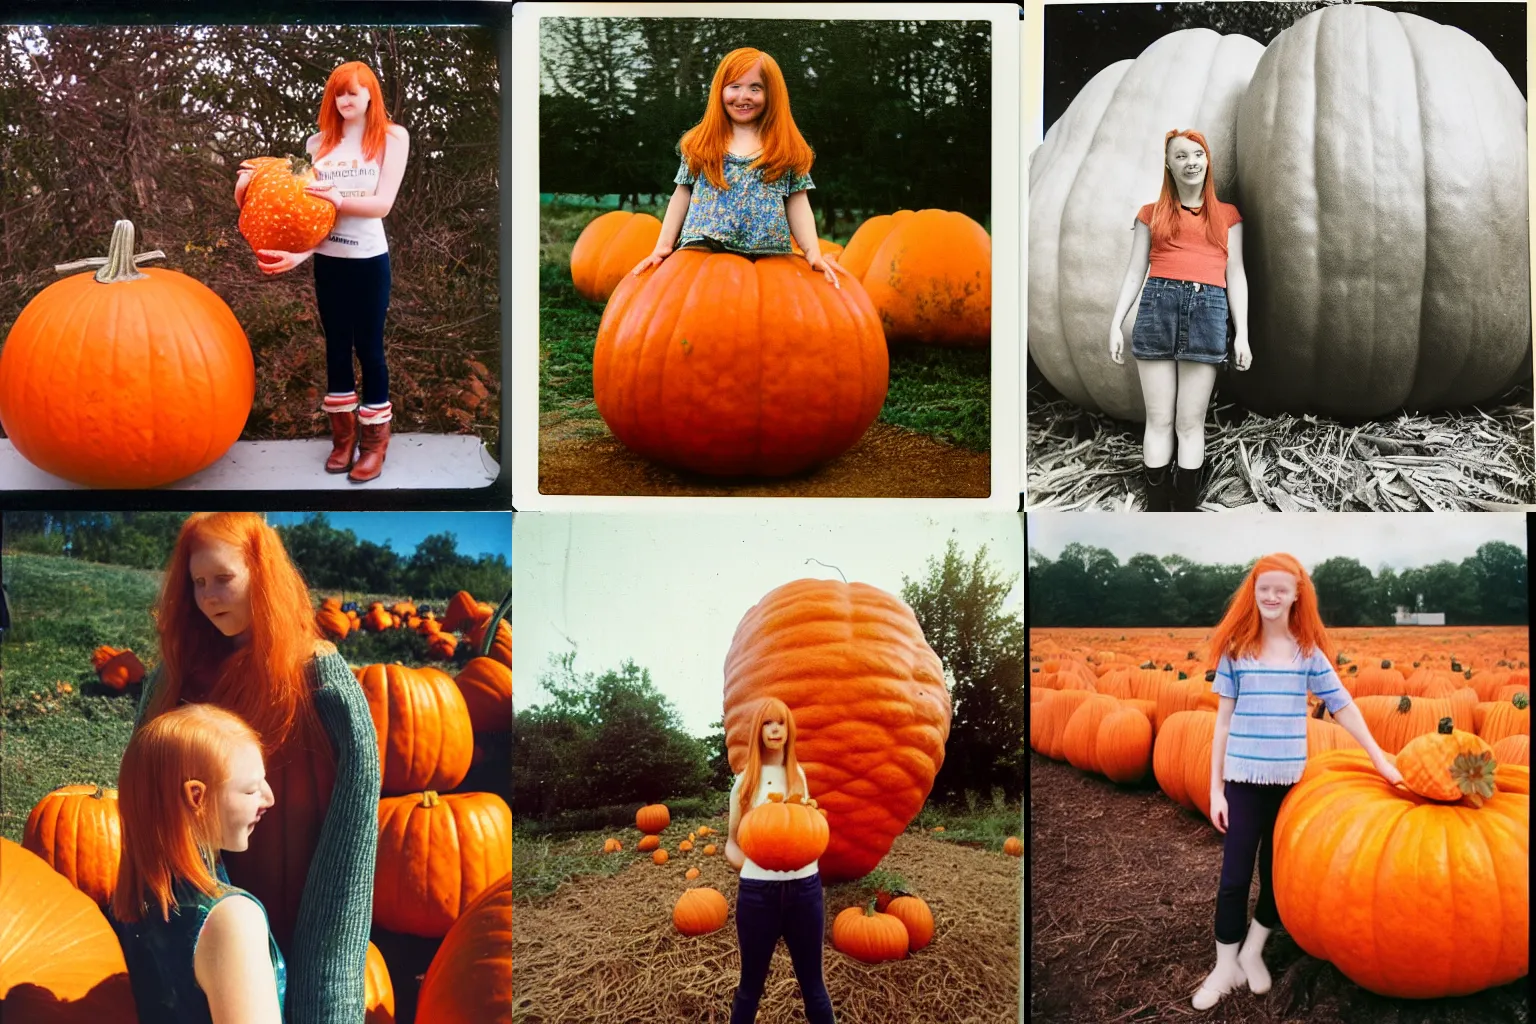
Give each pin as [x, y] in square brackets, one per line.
[353, 296]
[764, 912]
[1251, 813]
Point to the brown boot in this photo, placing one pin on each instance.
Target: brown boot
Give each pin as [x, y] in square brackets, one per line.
[370, 455]
[343, 439]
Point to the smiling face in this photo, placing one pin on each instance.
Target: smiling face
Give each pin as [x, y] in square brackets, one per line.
[775, 735]
[746, 97]
[352, 102]
[244, 797]
[221, 585]
[1187, 161]
[1275, 593]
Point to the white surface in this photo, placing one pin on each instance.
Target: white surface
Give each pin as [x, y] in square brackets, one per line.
[414, 461]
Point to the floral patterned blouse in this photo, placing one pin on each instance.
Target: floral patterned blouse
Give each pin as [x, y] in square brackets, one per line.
[748, 217]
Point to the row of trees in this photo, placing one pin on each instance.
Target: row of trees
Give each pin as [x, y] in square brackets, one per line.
[899, 112]
[1088, 586]
[613, 738]
[329, 558]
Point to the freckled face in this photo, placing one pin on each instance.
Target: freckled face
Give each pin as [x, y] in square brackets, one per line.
[221, 585]
[746, 97]
[1275, 592]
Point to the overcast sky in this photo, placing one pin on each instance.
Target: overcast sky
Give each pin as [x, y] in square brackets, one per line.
[1397, 539]
[667, 590]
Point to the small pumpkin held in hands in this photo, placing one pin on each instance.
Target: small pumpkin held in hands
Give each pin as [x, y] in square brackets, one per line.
[783, 835]
[278, 213]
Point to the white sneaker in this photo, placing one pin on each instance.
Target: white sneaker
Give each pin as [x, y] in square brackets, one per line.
[1227, 976]
[1251, 958]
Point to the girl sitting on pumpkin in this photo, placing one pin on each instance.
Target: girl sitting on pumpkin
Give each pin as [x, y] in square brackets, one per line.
[745, 171]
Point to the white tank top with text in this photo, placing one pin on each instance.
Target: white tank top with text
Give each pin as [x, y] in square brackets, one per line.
[771, 779]
[353, 237]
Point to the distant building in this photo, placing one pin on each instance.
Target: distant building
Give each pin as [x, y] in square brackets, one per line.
[1404, 617]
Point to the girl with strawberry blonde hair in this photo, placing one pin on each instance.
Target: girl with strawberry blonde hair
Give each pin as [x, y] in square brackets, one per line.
[1191, 244]
[771, 904]
[359, 157]
[198, 949]
[1269, 651]
[745, 172]
[237, 630]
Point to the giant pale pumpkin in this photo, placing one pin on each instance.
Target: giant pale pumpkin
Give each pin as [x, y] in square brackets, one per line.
[1383, 182]
[470, 980]
[870, 703]
[731, 367]
[1407, 897]
[487, 688]
[127, 377]
[425, 736]
[609, 247]
[77, 832]
[60, 962]
[436, 854]
[277, 213]
[1099, 164]
[929, 273]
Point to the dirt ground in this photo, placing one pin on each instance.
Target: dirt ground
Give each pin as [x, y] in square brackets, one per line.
[602, 950]
[580, 456]
[1122, 894]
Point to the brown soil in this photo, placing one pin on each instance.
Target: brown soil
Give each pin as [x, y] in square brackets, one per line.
[580, 456]
[1122, 899]
[604, 951]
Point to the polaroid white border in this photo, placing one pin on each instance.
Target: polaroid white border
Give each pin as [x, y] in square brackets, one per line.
[1007, 245]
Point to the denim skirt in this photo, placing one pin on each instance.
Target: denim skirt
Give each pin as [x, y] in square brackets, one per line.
[1181, 320]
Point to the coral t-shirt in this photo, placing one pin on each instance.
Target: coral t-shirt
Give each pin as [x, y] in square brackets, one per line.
[1187, 255]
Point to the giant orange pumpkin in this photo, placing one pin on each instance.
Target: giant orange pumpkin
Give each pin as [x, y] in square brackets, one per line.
[77, 832]
[726, 366]
[277, 213]
[871, 708]
[1407, 897]
[1123, 749]
[928, 272]
[470, 980]
[608, 248]
[1097, 166]
[60, 962]
[1383, 181]
[436, 854]
[127, 377]
[425, 736]
[487, 688]
[1181, 758]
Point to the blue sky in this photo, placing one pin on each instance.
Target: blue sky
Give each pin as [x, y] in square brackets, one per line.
[477, 532]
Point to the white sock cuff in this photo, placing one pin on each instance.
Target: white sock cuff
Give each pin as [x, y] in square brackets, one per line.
[375, 414]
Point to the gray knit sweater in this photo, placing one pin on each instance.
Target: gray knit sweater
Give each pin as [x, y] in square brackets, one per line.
[328, 958]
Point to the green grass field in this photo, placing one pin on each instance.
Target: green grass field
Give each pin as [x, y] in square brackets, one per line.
[943, 393]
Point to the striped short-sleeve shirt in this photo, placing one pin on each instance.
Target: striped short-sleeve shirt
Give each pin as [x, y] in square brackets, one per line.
[1267, 740]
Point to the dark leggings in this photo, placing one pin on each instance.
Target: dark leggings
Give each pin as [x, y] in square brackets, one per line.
[1251, 813]
[353, 296]
[765, 911]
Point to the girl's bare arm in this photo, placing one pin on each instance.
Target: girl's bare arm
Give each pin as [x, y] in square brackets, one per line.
[733, 852]
[233, 966]
[802, 225]
[397, 147]
[671, 229]
[1237, 282]
[1135, 271]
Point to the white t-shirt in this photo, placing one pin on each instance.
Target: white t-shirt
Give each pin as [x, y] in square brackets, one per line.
[771, 779]
[353, 237]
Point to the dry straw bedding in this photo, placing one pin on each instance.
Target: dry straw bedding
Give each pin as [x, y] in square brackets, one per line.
[604, 951]
[1472, 460]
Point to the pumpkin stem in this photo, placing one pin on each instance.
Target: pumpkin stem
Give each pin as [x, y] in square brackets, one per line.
[119, 264]
[869, 910]
[1445, 727]
[429, 799]
[1403, 705]
[1521, 701]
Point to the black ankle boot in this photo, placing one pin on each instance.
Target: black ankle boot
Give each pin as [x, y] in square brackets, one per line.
[1159, 481]
[1186, 489]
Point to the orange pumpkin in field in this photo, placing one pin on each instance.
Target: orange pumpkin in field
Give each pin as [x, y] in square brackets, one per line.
[378, 990]
[726, 366]
[277, 213]
[501, 643]
[470, 980]
[117, 668]
[487, 688]
[436, 855]
[929, 273]
[652, 818]
[76, 830]
[608, 248]
[425, 737]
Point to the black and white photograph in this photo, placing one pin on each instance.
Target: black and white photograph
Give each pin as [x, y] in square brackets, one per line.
[1279, 258]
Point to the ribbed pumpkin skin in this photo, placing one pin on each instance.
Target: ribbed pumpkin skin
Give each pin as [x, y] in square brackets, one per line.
[470, 980]
[132, 384]
[929, 273]
[871, 708]
[501, 643]
[59, 958]
[1325, 736]
[608, 248]
[1181, 759]
[1124, 746]
[1057, 715]
[1099, 164]
[1407, 897]
[1506, 718]
[436, 854]
[700, 911]
[1393, 727]
[1513, 750]
[1382, 174]
[278, 214]
[725, 366]
[1080, 737]
[378, 990]
[872, 938]
[425, 737]
[1425, 762]
[783, 836]
[77, 832]
[916, 917]
[487, 688]
[653, 818]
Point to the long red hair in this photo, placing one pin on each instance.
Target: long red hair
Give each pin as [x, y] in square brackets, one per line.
[1165, 212]
[376, 120]
[771, 709]
[264, 681]
[1240, 632]
[164, 838]
[784, 149]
